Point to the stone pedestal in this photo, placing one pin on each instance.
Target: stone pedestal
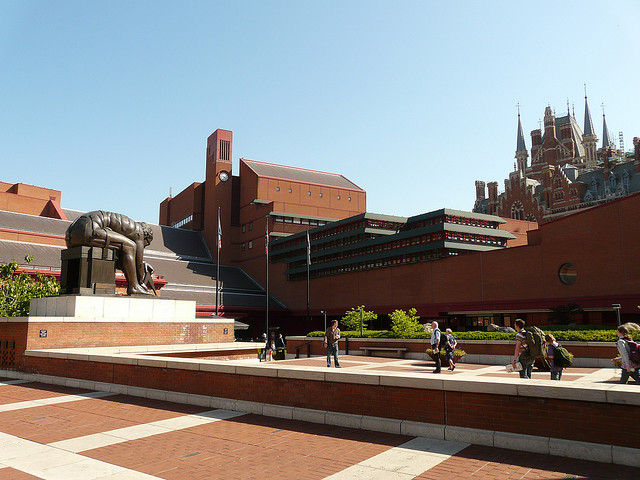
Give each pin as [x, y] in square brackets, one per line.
[88, 271]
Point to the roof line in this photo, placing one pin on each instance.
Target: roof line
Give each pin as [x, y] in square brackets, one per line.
[245, 160]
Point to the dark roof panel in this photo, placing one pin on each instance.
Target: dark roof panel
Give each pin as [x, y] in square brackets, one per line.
[300, 175]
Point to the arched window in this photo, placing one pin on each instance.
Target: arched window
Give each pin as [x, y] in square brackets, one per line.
[612, 183]
[517, 210]
[626, 179]
[557, 182]
[594, 188]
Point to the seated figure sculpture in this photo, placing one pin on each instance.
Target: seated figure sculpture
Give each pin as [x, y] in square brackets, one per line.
[116, 232]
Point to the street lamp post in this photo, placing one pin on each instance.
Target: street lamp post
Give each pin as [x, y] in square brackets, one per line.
[324, 312]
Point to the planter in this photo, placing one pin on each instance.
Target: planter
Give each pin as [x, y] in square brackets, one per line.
[457, 356]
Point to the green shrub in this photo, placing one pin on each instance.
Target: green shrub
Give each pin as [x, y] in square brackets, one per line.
[17, 289]
[405, 325]
[351, 319]
[561, 335]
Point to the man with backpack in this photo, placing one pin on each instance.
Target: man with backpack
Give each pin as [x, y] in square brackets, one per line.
[435, 345]
[529, 344]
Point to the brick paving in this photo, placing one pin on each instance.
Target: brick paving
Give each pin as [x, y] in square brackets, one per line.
[248, 446]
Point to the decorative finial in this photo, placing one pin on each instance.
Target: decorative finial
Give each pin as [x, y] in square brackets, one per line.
[568, 111]
[602, 105]
[518, 107]
[573, 108]
[540, 123]
[585, 90]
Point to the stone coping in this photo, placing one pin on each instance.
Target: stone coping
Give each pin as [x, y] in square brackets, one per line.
[138, 355]
[199, 320]
[514, 441]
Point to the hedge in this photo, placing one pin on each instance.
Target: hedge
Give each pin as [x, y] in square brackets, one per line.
[560, 335]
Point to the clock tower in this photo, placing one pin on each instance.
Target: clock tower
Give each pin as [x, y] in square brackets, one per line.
[218, 180]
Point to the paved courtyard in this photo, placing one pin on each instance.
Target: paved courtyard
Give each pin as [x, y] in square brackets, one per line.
[61, 433]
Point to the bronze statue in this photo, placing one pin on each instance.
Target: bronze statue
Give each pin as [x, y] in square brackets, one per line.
[120, 233]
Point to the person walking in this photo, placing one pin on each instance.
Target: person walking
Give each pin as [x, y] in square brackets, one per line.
[552, 344]
[331, 337]
[435, 345]
[450, 348]
[521, 353]
[629, 369]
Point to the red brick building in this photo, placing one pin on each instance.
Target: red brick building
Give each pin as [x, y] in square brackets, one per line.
[567, 171]
[290, 199]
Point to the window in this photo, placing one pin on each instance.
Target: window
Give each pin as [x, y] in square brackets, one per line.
[244, 228]
[349, 198]
[225, 148]
[625, 181]
[290, 190]
[321, 194]
[251, 244]
[250, 227]
[309, 192]
[277, 189]
[338, 197]
[182, 222]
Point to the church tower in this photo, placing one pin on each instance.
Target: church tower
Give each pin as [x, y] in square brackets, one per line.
[589, 138]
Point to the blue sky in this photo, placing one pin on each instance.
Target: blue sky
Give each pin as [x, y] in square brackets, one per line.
[112, 102]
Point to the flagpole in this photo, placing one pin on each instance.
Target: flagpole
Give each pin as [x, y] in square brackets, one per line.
[218, 262]
[266, 251]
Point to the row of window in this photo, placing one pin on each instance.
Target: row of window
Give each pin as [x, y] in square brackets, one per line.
[379, 263]
[299, 221]
[382, 247]
[182, 222]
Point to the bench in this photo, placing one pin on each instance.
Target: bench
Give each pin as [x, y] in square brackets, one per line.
[399, 350]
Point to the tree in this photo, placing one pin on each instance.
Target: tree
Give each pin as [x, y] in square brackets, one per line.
[403, 324]
[17, 289]
[351, 319]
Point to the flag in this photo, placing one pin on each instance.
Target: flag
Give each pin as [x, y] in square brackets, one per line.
[308, 249]
[266, 239]
[219, 232]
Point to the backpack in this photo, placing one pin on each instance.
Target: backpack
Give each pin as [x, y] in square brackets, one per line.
[451, 343]
[535, 341]
[562, 357]
[634, 352]
[443, 340]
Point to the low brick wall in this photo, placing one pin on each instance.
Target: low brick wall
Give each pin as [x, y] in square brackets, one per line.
[21, 333]
[537, 408]
[491, 352]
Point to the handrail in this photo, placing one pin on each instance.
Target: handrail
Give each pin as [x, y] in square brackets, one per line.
[308, 344]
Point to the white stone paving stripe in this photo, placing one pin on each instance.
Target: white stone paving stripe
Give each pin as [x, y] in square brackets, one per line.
[112, 437]
[53, 400]
[14, 382]
[598, 376]
[50, 463]
[403, 462]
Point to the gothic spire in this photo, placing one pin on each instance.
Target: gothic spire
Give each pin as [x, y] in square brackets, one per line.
[520, 145]
[606, 138]
[588, 124]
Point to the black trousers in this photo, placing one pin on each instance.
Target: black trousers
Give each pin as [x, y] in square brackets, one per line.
[437, 358]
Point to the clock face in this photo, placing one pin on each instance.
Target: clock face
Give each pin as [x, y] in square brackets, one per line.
[224, 176]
